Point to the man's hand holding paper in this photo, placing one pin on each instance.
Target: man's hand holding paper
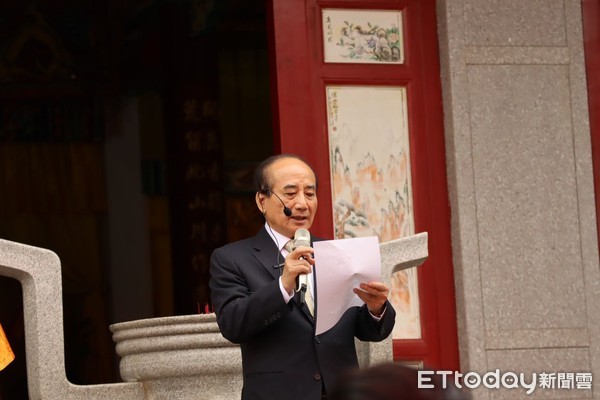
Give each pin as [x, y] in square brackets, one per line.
[374, 294]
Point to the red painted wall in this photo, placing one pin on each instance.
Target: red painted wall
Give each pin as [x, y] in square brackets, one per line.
[591, 37]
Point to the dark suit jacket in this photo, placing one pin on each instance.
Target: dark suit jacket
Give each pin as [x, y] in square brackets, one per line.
[281, 356]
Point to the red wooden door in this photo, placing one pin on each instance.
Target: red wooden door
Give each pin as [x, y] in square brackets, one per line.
[302, 78]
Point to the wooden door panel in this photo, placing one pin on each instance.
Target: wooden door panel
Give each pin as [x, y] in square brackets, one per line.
[302, 77]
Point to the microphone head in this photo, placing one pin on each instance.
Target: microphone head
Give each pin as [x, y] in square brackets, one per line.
[302, 238]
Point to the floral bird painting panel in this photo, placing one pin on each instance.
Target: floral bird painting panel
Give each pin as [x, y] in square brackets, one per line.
[371, 180]
[363, 36]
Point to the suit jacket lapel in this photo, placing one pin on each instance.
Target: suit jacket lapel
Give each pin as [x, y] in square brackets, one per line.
[266, 252]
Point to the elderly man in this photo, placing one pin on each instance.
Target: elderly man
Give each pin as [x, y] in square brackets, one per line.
[253, 285]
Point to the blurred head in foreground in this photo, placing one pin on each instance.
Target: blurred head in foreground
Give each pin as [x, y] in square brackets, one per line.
[392, 382]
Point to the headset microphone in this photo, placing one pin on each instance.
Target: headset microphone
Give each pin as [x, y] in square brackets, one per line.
[286, 210]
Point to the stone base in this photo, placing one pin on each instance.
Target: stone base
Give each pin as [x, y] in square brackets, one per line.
[179, 358]
[207, 387]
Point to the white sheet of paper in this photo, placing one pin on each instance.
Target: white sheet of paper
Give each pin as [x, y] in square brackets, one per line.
[340, 266]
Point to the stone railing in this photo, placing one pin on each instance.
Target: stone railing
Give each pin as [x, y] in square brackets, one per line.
[161, 358]
[396, 255]
[38, 270]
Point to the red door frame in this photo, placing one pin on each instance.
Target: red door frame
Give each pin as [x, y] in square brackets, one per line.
[591, 41]
[301, 128]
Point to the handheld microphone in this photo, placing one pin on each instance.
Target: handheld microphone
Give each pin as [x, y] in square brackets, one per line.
[286, 210]
[301, 238]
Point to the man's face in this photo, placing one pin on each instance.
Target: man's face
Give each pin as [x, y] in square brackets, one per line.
[294, 182]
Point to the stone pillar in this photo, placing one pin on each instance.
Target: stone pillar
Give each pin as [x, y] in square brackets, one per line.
[519, 169]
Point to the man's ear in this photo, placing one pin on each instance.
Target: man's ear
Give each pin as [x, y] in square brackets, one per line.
[260, 201]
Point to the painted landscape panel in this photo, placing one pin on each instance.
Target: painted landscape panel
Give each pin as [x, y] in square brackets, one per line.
[371, 180]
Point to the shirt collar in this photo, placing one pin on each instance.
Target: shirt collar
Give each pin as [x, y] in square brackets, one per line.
[279, 239]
